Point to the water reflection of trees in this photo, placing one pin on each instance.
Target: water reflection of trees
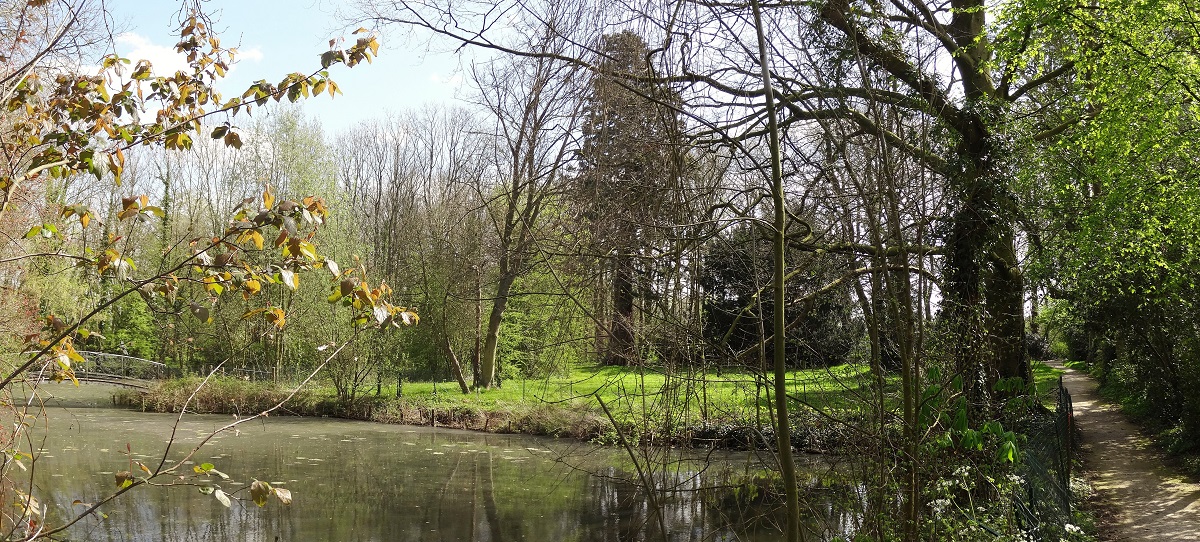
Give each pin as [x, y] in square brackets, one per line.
[389, 485]
[711, 507]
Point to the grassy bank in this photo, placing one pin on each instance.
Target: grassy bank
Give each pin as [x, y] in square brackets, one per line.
[718, 408]
[726, 409]
[223, 395]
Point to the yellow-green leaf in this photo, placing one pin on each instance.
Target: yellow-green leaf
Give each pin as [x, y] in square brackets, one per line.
[276, 317]
[259, 491]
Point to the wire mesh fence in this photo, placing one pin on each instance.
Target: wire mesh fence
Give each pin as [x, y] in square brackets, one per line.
[1043, 500]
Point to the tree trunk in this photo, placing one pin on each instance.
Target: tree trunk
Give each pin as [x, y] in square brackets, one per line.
[477, 355]
[1034, 308]
[963, 305]
[889, 354]
[985, 305]
[455, 366]
[1005, 287]
[491, 340]
[783, 421]
[621, 349]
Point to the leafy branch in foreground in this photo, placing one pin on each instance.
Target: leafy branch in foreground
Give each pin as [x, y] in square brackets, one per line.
[59, 125]
[83, 123]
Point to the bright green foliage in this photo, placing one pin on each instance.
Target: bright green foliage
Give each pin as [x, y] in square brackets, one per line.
[1118, 199]
[135, 333]
[539, 332]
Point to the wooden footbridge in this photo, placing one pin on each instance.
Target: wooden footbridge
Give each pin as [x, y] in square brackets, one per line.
[121, 370]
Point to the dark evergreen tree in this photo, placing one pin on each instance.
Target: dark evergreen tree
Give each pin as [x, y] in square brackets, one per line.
[629, 167]
[738, 312]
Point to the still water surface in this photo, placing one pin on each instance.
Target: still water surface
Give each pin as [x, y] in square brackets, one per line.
[360, 481]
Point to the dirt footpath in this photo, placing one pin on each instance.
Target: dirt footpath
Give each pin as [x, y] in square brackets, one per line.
[1149, 502]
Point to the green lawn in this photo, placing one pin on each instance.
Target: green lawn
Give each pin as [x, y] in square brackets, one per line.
[694, 395]
[644, 401]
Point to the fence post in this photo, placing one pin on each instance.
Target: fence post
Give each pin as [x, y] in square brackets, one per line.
[1064, 423]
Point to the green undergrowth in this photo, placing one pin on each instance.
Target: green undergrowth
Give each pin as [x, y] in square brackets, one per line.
[663, 407]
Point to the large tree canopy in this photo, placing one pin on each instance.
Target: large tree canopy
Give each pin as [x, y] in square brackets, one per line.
[953, 152]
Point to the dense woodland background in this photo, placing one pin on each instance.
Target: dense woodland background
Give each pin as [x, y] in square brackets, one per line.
[945, 191]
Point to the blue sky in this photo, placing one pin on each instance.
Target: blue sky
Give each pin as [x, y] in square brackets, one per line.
[277, 37]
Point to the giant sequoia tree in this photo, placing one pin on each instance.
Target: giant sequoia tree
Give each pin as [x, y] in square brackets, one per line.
[629, 166]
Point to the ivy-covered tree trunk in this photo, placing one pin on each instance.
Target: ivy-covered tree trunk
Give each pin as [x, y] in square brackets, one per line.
[621, 348]
[984, 288]
[1005, 291]
[982, 261]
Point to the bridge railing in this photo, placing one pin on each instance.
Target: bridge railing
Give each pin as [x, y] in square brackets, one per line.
[125, 366]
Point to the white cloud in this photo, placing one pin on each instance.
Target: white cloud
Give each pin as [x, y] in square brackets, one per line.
[163, 58]
[252, 54]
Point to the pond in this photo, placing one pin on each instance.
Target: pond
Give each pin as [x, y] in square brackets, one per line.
[364, 481]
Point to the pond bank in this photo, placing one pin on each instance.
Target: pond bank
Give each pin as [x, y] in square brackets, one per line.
[238, 397]
[580, 418]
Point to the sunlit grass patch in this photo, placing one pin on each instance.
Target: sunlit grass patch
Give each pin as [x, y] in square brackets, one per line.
[1045, 382]
[633, 392]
